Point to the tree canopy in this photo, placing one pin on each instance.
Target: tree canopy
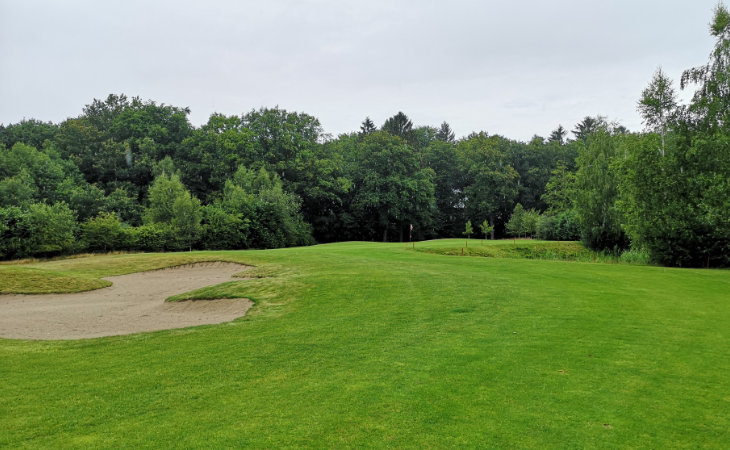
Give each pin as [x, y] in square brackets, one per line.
[134, 174]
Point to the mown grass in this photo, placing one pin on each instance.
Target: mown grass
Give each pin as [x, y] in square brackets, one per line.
[372, 345]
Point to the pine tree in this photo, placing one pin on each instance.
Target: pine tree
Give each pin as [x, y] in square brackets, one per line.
[445, 133]
[367, 126]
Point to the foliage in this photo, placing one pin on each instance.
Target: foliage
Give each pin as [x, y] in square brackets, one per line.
[597, 182]
[588, 126]
[213, 153]
[530, 219]
[119, 140]
[564, 226]
[87, 200]
[468, 230]
[675, 207]
[558, 135]
[399, 125]
[675, 195]
[445, 133]
[442, 158]
[269, 213]
[515, 225]
[30, 132]
[547, 226]
[164, 191]
[124, 205]
[41, 171]
[13, 233]
[367, 126]
[39, 230]
[153, 237]
[486, 228]
[18, 190]
[186, 219]
[489, 183]
[223, 228]
[658, 104]
[391, 189]
[272, 177]
[104, 233]
[710, 106]
[560, 190]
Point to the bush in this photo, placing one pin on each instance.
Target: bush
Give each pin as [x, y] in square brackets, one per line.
[154, 237]
[568, 227]
[547, 228]
[13, 238]
[223, 230]
[562, 227]
[104, 232]
[50, 229]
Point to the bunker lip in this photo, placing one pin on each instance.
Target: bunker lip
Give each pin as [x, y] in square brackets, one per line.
[134, 303]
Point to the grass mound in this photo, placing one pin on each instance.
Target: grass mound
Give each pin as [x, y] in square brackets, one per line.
[520, 248]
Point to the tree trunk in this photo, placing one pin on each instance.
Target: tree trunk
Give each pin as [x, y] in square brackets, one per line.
[385, 234]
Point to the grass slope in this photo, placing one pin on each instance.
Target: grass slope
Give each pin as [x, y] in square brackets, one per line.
[517, 248]
[372, 345]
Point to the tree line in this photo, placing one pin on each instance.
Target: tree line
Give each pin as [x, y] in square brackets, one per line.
[129, 174]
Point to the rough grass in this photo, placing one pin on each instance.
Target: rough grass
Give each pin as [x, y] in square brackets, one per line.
[31, 280]
[230, 289]
[518, 248]
[78, 274]
[372, 345]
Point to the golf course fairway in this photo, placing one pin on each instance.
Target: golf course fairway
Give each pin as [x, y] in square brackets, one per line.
[373, 345]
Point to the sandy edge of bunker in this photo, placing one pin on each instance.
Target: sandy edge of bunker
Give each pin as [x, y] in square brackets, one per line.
[134, 303]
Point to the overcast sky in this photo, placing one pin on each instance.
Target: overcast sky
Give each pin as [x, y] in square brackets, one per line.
[510, 68]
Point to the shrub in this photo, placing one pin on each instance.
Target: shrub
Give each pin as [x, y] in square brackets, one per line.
[49, 229]
[154, 237]
[13, 238]
[568, 226]
[104, 232]
[224, 230]
[562, 227]
[547, 228]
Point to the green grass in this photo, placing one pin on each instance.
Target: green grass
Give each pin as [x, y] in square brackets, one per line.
[514, 248]
[34, 280]
[372, 345]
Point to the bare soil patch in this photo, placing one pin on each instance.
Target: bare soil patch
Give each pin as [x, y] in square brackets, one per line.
[134, 303]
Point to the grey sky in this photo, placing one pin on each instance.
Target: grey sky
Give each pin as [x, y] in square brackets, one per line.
[510, 68]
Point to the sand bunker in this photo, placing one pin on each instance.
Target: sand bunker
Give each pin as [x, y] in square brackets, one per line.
[134, 303]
